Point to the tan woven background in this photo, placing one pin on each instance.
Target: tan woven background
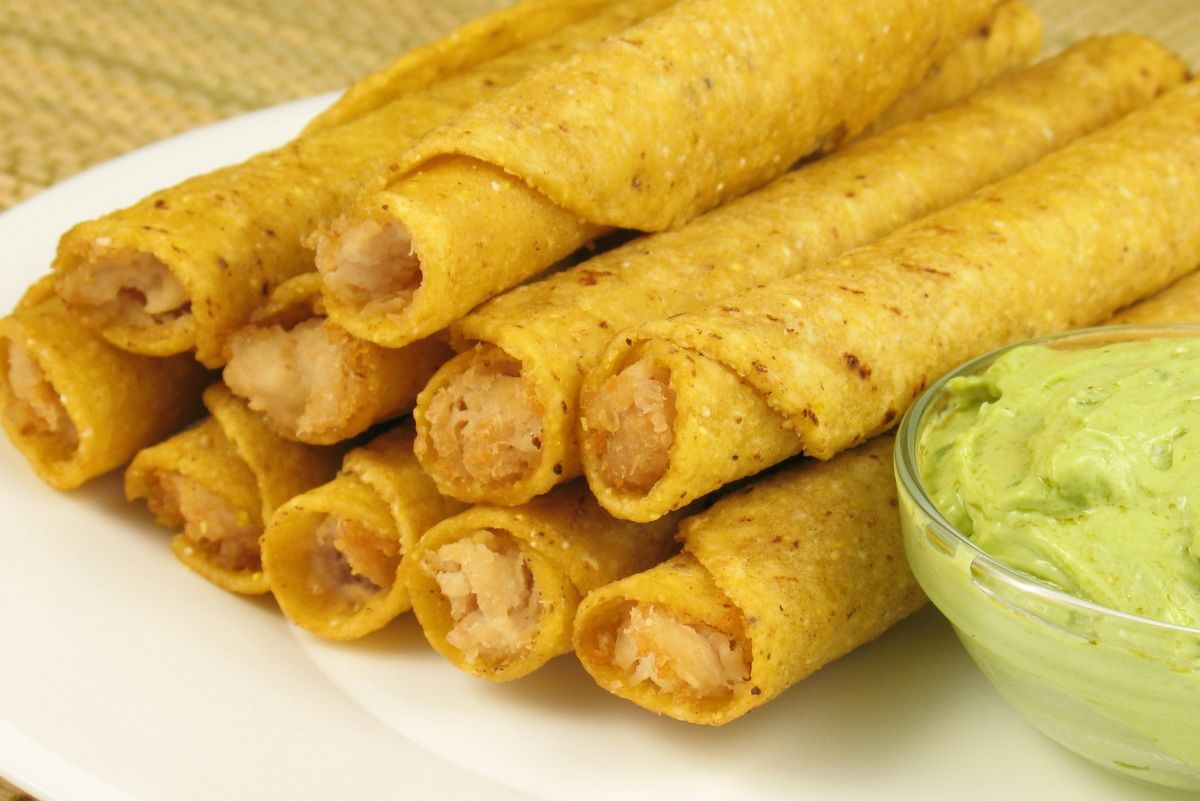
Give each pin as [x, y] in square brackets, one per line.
[82, 81]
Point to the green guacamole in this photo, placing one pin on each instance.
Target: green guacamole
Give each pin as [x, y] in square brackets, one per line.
[1081, 468]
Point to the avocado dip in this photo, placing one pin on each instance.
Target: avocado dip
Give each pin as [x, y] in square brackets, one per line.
[1080, 467]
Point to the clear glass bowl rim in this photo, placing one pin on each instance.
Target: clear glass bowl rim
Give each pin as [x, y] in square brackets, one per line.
[907, 474]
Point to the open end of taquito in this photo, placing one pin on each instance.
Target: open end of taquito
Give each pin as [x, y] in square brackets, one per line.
[74, 405]
[332, 557]
[315, 383]
[131, 297]
[406, 262]
[487, 601]
[667, 639]
[644, 420]
[197, 484]
[34, 413]
[482, 430]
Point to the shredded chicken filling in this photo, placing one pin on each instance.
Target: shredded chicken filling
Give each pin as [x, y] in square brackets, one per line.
[293, 377]
[678, 656]
[631, 425]
[492, 597]
[485, 425]
[229, 534]
[351, 560]
[370, 262]
[35, 405]
[137, 291]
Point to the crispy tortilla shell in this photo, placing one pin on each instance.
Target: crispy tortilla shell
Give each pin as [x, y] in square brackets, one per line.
[830, 357]
[798, 569]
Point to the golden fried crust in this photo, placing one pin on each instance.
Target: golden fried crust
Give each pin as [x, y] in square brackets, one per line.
[234, 460]
[835, 354]
[706, 129]
[231, 236]
[116, 402]
[563, 154]
[380, 488]
[569, 544]
[478, 41]
[1178, 303]
[800, 568]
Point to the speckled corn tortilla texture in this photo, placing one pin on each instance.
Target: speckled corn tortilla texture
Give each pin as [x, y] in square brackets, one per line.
[118, 402]
[557, 328]
[247, 463]
[1178, 303]
[1006, 41]
[204, 454]
[726, 100]
[382, 488]
[680, 584]
[478, 41]
[232, 235]
[282, 469]
[836, 354]
[288, 546]
[570, 545]
[810, 558]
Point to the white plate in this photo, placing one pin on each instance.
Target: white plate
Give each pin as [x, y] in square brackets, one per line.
[125, 676]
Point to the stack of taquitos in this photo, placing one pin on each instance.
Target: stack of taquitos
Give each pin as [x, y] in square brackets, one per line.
[727, 101]
[219, 481]
[332, 556]
[822, 361]
[315, 382]
[498, 423]
[311, 379]
[184, 267]
[774, 581]
[495, 589]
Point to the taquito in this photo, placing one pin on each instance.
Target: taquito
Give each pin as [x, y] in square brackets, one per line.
[313, 381]
[1178, 303]
[1008, 40]
[332, 555]
[495, 589]
[726, 102]
[821, 361]
[186, 266]
[498, 422]
[474, 43]
[218, 481]
[75, 406]
[774, 582]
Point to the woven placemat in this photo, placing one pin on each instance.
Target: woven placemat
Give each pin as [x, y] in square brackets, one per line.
[81, 82]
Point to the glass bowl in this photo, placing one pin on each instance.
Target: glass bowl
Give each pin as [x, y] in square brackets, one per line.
[1121, 690]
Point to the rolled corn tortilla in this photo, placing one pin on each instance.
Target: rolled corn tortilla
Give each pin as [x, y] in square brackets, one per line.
[478, 41]
[495, 589]
[498, 422]
[774, 582]
[1005, 42]
[218, 482]
[312, 380]
[75, 406]
[763, 593]
[185, 267]
[821, 361]
[726, 102]
[332, 555]
[1178, 303]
